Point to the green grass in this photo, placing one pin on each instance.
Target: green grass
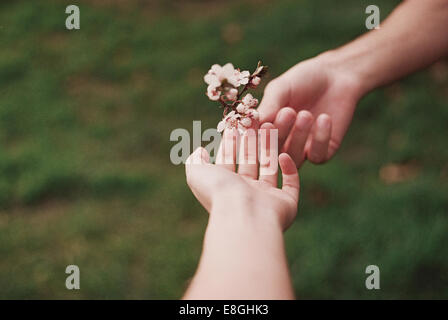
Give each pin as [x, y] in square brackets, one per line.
[85, 176]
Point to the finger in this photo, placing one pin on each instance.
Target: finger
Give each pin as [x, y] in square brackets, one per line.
[247, 163]
[268, 154]
[290, 176]
[320, 139]
[199, 156]
[283, 122]
[276, 96]
[295, 143]
[194, 166]
[227, 150]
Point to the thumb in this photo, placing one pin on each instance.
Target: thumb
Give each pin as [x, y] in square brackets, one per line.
[276, 96]
[199, 156]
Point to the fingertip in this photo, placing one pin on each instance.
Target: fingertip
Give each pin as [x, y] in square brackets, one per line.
[267, 126]
[318, 149]
[287, 164]
[227, 151]
[204, 154]
[266, 116]
[267, 110]
[287, 112]
[324, 120]
[285, 117]
[304, 121]
[323, 128]
[200, 155]
[290, 176]
[284, 122]
[230, 132]
[305, 115]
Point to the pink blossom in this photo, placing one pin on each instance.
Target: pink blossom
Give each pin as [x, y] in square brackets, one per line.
[211, 78]
[232, 94]
[217, 75]
[246, 122]
[223, 82]
[253, 114]
[242, 108]
[250, 101]
[230, 121]
[255, 82]
[221, 126]
[242, 77]
[213, 93]
[259, 69]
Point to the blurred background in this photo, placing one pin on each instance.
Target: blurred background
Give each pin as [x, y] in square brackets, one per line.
[85, 173]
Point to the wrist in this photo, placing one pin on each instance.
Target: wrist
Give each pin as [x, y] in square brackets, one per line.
[349, 67]
[242, 212]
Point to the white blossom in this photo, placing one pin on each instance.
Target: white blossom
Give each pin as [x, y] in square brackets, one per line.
[232, 94]
[246, 122]
[250, 101]
[213, 93]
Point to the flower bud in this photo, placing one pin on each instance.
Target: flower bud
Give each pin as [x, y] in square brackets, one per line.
[213, 93]
[241, 108]
[232, 94]
[255, 82]
[250, 101]
[246, 122]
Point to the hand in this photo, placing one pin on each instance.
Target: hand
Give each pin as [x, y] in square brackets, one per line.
[312, 105]
[219, 188]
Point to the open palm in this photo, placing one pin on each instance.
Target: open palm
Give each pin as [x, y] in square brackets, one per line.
[252, 183]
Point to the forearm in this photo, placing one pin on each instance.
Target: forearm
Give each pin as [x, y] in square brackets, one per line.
[243, 258]
[412, 37]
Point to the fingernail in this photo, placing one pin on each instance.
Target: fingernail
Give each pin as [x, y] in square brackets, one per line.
[304, 119]
[323, 121]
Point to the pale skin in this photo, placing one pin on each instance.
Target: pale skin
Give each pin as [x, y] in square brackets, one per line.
[243, 254]
[312, 104]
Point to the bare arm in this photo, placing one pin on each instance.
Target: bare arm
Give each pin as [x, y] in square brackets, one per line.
[312, 104]
[243, 256]
[241, 259]
[414, 36]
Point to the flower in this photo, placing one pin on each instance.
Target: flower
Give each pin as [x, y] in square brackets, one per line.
[232, 94]
[225, 79]
[255, 82]
[253, 114]
[246, 122]
[223, 83]
[221, 126]
[213, 93]
[242, 108]
[260, 71]
[227, 74]
[230, 121]
[250, 101]
[242, 77]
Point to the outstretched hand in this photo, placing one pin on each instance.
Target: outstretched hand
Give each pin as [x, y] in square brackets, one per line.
[252, 187]
[312, 105]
